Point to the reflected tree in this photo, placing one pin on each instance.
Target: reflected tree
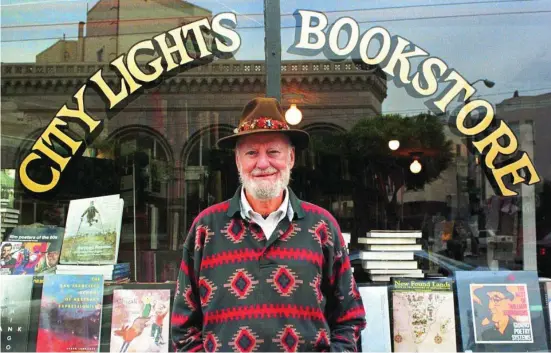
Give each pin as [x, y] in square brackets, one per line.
[360, 163]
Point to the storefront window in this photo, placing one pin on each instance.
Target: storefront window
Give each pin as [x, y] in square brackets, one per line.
[385, 154]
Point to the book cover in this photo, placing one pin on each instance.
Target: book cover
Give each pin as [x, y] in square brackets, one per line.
[27, 258]
[376, 336]
[70, 313]
[92, 231]
[15, 302]
[140, 320]
[38, 233]
[423, 315]
[500, 311]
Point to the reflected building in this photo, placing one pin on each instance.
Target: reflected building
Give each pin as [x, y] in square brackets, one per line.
[176, 124]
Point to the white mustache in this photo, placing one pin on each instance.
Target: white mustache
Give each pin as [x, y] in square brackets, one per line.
[261, 172]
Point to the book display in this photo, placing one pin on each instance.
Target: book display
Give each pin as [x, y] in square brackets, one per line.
[389, 254]
[68, 289]
[501, 311]
[15, 302]
[423, 316]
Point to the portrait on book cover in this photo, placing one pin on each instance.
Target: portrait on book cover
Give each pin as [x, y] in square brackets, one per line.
[501, 313]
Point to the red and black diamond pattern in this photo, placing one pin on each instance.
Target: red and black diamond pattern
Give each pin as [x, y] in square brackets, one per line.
[241, 283]
[235, 230]
[188, 296]
[202, 236]
[288, 339]
[245, 340]
[256, 231]
[211, 343]
[316, 285]
[284, 281]
[206, 290]
[322, 340]
[289, 233]
[321, 233]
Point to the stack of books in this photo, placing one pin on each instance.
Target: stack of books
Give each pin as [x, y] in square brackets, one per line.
[117, 273]
[9, 217]
[389, 253]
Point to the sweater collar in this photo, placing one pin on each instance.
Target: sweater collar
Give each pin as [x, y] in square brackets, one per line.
[235, 203]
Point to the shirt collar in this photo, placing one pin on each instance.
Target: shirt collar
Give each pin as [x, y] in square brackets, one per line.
[235, 203]
[285, 206]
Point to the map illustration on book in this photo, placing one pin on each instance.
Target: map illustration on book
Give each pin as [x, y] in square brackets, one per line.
[140, 320]
[92, 231]
[501, 313]
[70, 313]
[423, 315]
[15, 302]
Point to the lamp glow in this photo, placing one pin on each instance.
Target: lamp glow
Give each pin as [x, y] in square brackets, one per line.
[415, 167]
[293, 115]
[394, 144]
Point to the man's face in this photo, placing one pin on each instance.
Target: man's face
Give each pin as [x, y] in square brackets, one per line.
[52, 258]
[6, 252]
[498, 305]
[264, 162]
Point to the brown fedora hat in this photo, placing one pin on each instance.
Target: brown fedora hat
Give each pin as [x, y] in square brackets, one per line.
[264, 115]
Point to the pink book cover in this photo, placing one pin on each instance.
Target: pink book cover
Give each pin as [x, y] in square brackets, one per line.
[140, 321]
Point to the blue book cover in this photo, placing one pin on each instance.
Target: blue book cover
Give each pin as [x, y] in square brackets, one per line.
[70, 313]
[501, 311]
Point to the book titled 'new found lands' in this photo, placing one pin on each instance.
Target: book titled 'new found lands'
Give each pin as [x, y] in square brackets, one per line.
[423, 316]
[70, 313]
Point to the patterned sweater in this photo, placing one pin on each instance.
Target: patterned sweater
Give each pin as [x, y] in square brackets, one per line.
[238, 292]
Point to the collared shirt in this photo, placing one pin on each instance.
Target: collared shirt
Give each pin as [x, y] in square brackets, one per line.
[269, 223]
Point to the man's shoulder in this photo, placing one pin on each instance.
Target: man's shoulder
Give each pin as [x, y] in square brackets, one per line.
[212, 211]
[313, 210]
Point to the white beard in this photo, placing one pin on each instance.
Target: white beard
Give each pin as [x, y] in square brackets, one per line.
[265, 190]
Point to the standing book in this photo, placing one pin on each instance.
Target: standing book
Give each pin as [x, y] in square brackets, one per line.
[92, 231]
[423, 315]
[501, 311]
[376, 335]
[140, 320]
[15, 304]
[70, 313]
[40, 248]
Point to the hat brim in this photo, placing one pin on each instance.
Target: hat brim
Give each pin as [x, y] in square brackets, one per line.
[300, 139]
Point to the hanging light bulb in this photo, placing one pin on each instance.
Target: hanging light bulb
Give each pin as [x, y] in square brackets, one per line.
[293, 115]
[415, 167]
[394, 144]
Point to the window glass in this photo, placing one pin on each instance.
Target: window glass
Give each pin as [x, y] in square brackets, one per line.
[355, 112]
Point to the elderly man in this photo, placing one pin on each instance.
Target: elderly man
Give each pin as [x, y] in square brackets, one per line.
[265, 271]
